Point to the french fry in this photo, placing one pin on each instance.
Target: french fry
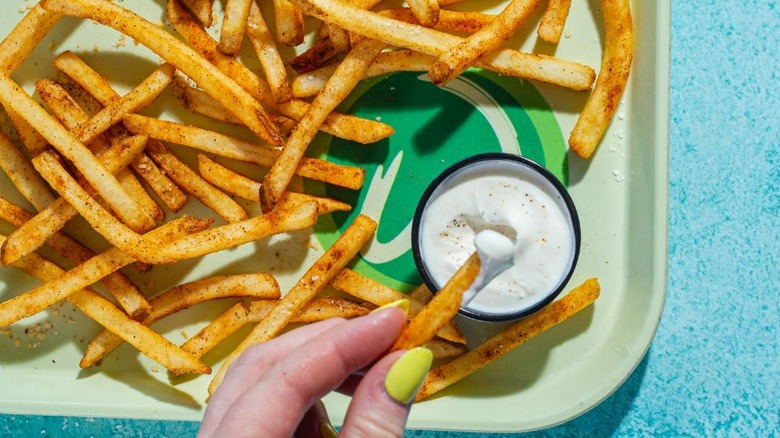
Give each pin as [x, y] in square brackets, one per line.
[500, 344]
[554, 17]
[229, 147]
[442, 349]
[98, 87]
[70, 147]
[613, 77]
[33, 233]
[201, 9]
[449, 21]
[374, 292]
[228, 180]
[25, 37]
[191, 182]
[247, 188]
[339, 38]
[184, 296]
[347, 127]
[422, 294]
[459, 57]
[289, 23]
[32, 140]
[122, 288]
[233, 26]
[57, 289]
[426, 11]
[243, 313]
[23, 175]
[198, 101]
[286, 218]
[313, 281]
[106, 314]
[396, 33]
[170, 194]
[311, 83]
[441, 309]
[208, 77]
[315, 56]
[268, 55]
[344, 79]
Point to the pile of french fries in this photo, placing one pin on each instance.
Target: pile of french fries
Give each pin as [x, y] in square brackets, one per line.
[85, 150]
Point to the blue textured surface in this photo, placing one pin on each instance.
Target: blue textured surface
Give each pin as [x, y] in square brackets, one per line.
[714, 367]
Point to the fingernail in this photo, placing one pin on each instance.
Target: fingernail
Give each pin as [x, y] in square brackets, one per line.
[402, 304]
[327, 430]
[407, 374]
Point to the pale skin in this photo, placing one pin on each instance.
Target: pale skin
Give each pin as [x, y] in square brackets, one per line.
[274, 389]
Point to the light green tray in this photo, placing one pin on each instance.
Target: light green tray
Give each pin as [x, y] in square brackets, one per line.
[621, 195]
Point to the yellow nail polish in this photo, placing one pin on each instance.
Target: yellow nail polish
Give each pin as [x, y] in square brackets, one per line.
[328, 431]
[404, 378]
[402, 304]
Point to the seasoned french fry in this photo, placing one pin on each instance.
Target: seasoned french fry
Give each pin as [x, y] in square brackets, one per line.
[23, 175]
[613, 77]
[426, 11]
[106, 314]
[198, 101]
[122, 288]
[268, 55]
[182, 297]
[339, 38]
[242, 313]
[459, 57]
[314, 280]
[359, 286]
[553, 19]
[347, 127]
[32, 140]
[315, 56]
[344, 79]
[229, 147]
[67, 144]
[201, 9]
[38, 299]
[170, 194]
[442, 349]
[422, 294]
[289, 23]
[212, 80]
[500, 344]
[34, 232]
[98, 87]
[396, 33]
[441, 309]
[25, 37]
[233, 26]
[192, 183]
[450, 21]
[247, 188]
[311, 83]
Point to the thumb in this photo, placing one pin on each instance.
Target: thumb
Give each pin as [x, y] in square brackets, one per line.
[381, 403]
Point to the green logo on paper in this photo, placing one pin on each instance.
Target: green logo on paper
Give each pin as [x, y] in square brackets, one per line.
[434, 127]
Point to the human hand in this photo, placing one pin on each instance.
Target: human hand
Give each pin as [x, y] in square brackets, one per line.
[274, 388]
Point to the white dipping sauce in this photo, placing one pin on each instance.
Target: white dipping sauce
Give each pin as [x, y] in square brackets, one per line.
[507, 197]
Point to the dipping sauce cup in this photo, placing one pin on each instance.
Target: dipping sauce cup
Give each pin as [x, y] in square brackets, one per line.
[513, 196]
